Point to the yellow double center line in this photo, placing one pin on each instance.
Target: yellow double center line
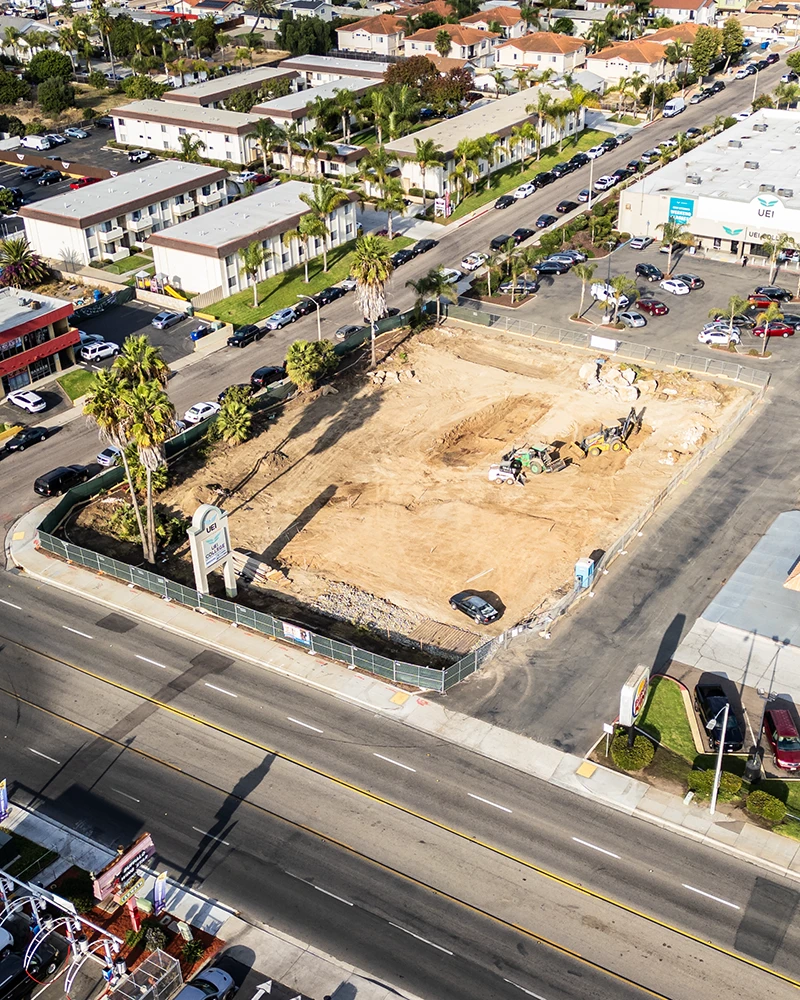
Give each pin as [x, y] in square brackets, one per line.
[341, 782]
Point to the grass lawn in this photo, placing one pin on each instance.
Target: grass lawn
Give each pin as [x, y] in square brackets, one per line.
[283, 289]
[136, 262]
[664, 718]
[76, 383]
[625, 120]
[509, 178]
[25, 858]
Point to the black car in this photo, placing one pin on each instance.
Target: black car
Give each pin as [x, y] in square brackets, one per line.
[717, 87]
[562, 169]
[710, 703]
[505, 201]
[741, 321]
[792, 320]
[774, 292]
[423, 246]
[499, 241]
[246, 335]
[762, 64]
[17, 196]
[622, 174]
[49, 177]
[26, 437]
[386, 315]
[693, 133]
[267, 375]
[692, 280]
[609, 143]
[552, 267]
[60, 480]
[543, 179]
[105, 121]
[772, 58]
[474, 607]
[522, 234]
[649, 271]
[330, 294]
[17, 982]
[566, 206]
[303, 308]
[402, 257]
[545, 220]
[580, 160]
[246, 388]
[633, 165]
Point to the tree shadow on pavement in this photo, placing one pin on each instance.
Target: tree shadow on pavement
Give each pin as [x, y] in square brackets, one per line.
[670, 641]
[769, 914]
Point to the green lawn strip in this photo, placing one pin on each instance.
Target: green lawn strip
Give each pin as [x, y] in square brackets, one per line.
[625, 119]
[664, 718]
[283, 289]
[509, 178]
[76, 383]
[133, 263]
[25, 858]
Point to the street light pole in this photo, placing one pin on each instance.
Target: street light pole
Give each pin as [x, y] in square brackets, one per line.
[718, 773]
[755, 84]
[591, 176]
[315, 303]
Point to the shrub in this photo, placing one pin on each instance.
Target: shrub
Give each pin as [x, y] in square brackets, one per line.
[154, 938]
[308, 361]
[47, 64]
[765, 805]
[192, 950]
[89, 114]
[55, 95]
[132, 937]
[701, 783]
[78, 891]
[631, 758]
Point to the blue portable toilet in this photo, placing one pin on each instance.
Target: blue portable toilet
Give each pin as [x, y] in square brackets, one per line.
[764, 46]
[584, 573]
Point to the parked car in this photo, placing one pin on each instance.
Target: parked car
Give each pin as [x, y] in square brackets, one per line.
[26, 437]
[744, 72]
[652, 307]
[267, 375]
[210, 984]
[710, 703]
[674, 287]
[610, 143]
[201, 411]
[522, 234]
[790, 77]
[577, 255]
[595, 151]
[566, 206]
[18, 981]
[774, 293]
[562, 169]
[49, 177]
[73, 132]
[605, 183]
[245, 335]
[59, 480]
[347, 331]
[543, 179]
[552, 267]
[719, 85]
[473, 261]
[640, 242]
[776, 329]
[25, 399]
[304, 306]
[525, 190]
[668, 144]
[741, 320]
[718, 336]
[579, 159]
[625, 137]
[89, 338]
[349, 283]
[648, 271]
[584, 195]
[693, 133]
[772, 58]
[278, 320]
[31, 173]
[401, 257]
[109, 456]
[164, 320]
[474, 607]
[676, 248]
[519, 287]
[632, 319]
[622, 174]
[562, 258]
[423, 246]
[633, 165]
[56, 138]
[246, 176]
[83, 182]
[96, 352]
[699, 97]
[505, 201]
[389, 312]
[500, 242]
[602, 291]
[545, 220]
[139, 155]
[692, 280]
[650, 155]
[104, 121]
[783, 737]
[328, 295]
[741, 116]
[450, 275]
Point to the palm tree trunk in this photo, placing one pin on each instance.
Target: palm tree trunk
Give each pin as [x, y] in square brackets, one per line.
[773, 267]
[583, 294]
[325, 253]
[264, 160]
[424, 193]
[389, 224]
[134, 501]
[764, 345]
[372, 343]
[438, 309]
[150, 555]
[254, 276]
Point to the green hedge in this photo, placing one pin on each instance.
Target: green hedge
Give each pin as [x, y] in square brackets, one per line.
[631, 758]
[766, 806]
[701, 783]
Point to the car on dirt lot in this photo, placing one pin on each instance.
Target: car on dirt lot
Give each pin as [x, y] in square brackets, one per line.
[652, 307]
[710, 702]
[718, 337]
[474, 607]
[473, 261]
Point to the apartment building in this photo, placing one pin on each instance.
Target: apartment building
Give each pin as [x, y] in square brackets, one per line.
[382, 35]
[469, 44]
[214, 93]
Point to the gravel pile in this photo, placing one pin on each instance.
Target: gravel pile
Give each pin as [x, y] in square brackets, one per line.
[355, 606]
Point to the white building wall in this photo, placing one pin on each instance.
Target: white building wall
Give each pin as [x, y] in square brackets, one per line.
[57, 242]
[158, 137]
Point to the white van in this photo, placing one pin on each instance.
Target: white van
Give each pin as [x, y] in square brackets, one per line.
[602, 291]
[34, 142]
[674, 106]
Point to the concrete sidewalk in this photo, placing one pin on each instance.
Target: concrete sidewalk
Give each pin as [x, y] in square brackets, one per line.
[295, 963]
[575, 774]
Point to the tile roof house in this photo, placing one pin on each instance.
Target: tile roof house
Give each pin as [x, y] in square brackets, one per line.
[685, 32]
[627, 58]
[542, 50]
[702, 11]
[440, 7]
[382, 35]
[465, 43]
[510, 20]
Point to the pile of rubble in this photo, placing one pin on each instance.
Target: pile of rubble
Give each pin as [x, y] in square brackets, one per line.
[598, 376]
[353, 605]
[378, 378]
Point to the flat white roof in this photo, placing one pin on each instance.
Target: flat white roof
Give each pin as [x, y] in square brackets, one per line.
[335, 64]
[14, 311]
[208, 90]
[193, 114]
[297, 102]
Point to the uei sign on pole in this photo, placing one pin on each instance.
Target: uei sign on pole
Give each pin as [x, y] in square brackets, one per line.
[210, 544]
[633, 696]
[118, 876]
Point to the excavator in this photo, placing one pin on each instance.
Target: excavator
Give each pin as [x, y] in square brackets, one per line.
[613, 438]
[534, 459]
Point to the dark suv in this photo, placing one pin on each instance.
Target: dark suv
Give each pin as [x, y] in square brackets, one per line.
[246, 335]
[16, 982]
[710, 703]
[774, 292]
[267, 375]
[499, 242]
[649, 271]
[60, 480]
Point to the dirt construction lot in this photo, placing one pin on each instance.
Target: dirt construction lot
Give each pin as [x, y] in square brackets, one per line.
[383, 487]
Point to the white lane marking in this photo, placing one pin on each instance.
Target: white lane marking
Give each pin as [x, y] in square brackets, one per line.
[333, 894]
[125, 795]
[529, 992]
[716, 899]
[488, 803]
[210, 836]
[155, 663]
[221, 690]
[424, 940]
[594, 847]
[395, 762]
[85, 636]
[304, 724]
[10, 605]
[38, 754]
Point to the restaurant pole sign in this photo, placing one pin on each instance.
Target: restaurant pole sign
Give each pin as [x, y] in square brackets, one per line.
[123, 871]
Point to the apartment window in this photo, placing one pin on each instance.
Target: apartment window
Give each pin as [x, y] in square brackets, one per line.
[229, 155]
[136, 215]
[227, 138]
[152, 209]
[206, 189]
[106, 227]
[284, 258]
[231, 281]
[164, 206]
[220, 185]
[163, 128]
[348, 228]
[229, 260]
[181, 131]
[93, 252]
[179, 199]
[166, 144]
[88, 233]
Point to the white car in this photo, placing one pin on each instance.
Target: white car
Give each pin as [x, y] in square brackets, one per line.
[89, 338]
[138, 155]
[473, 261]
[640, 242]
[76, 133]
[742, 116]
[279, 319]
[675, 286]
[108, 456]
[742, 74]
[349, 284]
[718, 337]
[668, 144]
[27, 400]
[201, 411]
[605, 183]
[96, 352]
[633, 319]
[246, 176]
[650, 155]
[603, 292]
[451, 275]
[595, 151]
[524, 190]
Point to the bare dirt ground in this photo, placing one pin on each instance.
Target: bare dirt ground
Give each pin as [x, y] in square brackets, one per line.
[381, 490]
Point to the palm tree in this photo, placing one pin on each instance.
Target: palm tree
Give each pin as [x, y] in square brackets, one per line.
[623, 286]
[234, 420]
[323, 201]
[294, 140]
[317, 143]
[500, 82]
[104, 22]
[520, 135]
[466, 154]
[262, 8]
[672, 233]
[68, 42]
[379, 104]
[541, 108]
[190, 146]
[20, 267]
[585, 272]
[391, 201]
[529, 16]
[521, 77]
[139, 361]
[434, 285]
[621, 87]
[677, 52]
[637, 81]
[104, 406]
[770, 315]
[268, 137]
[251, 259]
[426, 153]
[345, 103]
[443, 43]
[309, 228]
[371, 268]
[736, 304]
[774, 246]
[12, 38]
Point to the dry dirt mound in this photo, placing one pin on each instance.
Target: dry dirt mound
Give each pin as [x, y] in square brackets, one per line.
[490, 431]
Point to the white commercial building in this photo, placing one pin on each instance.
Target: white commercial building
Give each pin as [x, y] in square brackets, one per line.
[213, 93]
[730, 192]
[159, 125]
[103, 220]
[202, 255]
[293, 108]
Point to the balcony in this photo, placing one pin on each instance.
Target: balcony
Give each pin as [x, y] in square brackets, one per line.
[185, 207]
[109, 235]
[211, 198]
[139, 225]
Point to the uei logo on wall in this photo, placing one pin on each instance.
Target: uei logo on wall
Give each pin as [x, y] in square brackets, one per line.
[766, 207]
[733, 232]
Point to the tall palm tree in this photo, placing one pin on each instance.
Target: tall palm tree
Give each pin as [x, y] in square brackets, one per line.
[268, 137]
[500, 82]
[585, 272]
[379, 105]
[371, 268]
[541, 108]
[391, 200]
[436, 286]
[321, 109]
[621, 87]
[426, 153]
[105, 407]
[139, 361]
[521, 76]
[345, 103]
[526, 134]
[774, 246]
[466, 154]
[103, 21]
[251, 259]
[637, 81]
[294, 140]
[736, 305]
[309, 228]
[68, 42]
[262, 8]
[190, 147]
[323, 201]
[317, 143]
[770, 315]
[12, 38]
[672, 233]
[623, 286]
